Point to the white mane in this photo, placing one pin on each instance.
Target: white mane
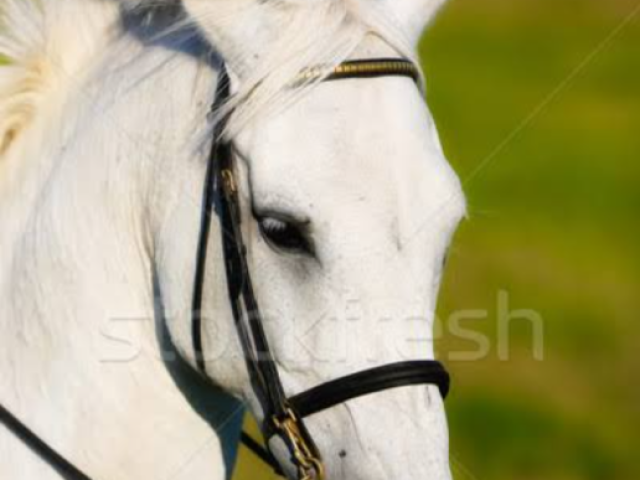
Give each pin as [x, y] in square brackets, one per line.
[45, 44]
[317, 33]
[48, 43]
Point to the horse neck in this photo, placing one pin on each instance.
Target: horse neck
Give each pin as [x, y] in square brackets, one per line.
[85, 367]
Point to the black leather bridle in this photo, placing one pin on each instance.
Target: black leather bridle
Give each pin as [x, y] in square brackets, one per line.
[283, 415]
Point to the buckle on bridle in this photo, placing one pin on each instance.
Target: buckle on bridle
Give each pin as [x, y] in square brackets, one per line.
[310, 466]
[229, 181]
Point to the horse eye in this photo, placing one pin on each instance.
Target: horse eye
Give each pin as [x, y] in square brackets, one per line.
[285, 235]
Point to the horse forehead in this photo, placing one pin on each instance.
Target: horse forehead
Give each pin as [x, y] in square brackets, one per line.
[347, 113]
[351, 136]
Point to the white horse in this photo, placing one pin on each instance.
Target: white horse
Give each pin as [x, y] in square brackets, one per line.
[103, 113]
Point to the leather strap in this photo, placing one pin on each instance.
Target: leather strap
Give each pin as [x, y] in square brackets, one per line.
[377, 67]
[378, 379]
[261, 452]
[39, 447]
[280, 419]
[359, 69]
[208, 212]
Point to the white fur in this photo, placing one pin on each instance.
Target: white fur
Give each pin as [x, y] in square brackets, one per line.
[413, 15]
[100, 187]
[46, 44]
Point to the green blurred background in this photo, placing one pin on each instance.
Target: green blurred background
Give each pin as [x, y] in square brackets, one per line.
[538, 104]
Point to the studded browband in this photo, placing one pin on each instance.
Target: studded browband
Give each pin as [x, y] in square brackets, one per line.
[384, 67]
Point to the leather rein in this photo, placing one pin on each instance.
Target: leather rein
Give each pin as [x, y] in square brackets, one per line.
[283, 415]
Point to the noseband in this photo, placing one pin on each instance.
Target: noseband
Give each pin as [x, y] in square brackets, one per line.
[283, 415]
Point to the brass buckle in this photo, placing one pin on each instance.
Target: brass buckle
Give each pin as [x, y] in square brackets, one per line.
[229, 180]
[310, 467]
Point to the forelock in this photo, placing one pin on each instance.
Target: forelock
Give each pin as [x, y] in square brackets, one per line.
[318, 33]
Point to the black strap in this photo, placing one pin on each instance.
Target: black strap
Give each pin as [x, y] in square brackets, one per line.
[38, 446]
[208, 211]
[370, 381]
[375, 68]
[259, 451]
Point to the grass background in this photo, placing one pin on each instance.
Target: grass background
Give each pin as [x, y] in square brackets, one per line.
[554, 222]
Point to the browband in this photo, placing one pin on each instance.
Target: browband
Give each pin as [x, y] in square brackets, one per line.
[381, 67]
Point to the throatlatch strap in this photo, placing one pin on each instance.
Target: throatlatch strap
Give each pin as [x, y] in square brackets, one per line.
[260, 452]
[208, 211]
